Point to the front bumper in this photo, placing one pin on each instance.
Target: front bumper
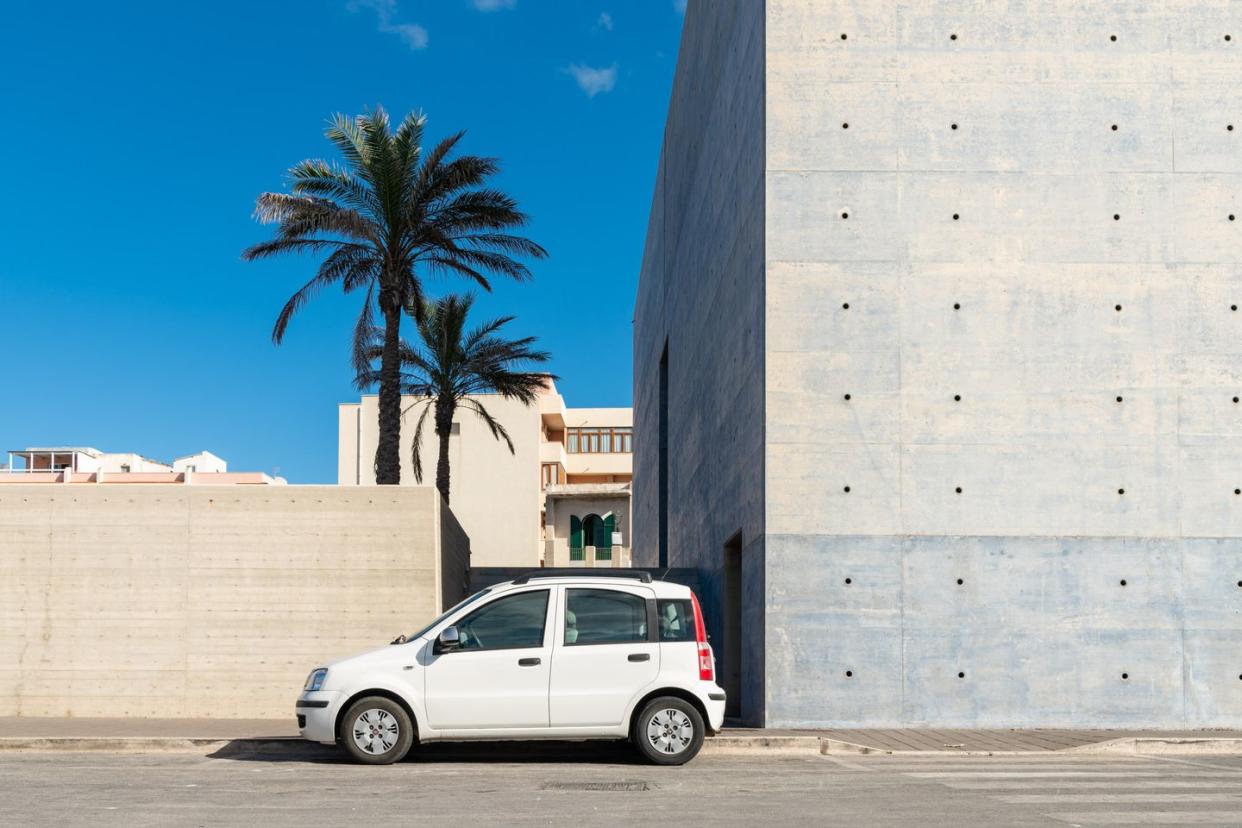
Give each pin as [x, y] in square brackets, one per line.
[316, 714]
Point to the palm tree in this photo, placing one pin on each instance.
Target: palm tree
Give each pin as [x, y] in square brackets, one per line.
[387, 214]
[450, 365]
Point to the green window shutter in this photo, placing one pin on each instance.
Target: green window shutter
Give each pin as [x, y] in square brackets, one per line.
[603, 546]
[575, 538]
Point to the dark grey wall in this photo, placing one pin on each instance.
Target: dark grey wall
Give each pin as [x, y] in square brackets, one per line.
[701, 290]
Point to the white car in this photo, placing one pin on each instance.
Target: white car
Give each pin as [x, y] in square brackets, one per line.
[609, 655]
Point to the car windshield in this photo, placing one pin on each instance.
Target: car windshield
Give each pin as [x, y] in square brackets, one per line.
[446, 614]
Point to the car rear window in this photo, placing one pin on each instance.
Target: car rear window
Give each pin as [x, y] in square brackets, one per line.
[676, 619]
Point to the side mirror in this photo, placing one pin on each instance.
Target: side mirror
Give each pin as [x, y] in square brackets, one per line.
[449, 639]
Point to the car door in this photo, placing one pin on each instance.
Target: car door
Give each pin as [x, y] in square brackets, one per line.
[497, 678]
[605, 654]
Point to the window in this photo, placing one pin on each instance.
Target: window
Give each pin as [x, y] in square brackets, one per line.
[552, 474]
[511, 623]
[617, 440]
[675, 617]
[604, 616]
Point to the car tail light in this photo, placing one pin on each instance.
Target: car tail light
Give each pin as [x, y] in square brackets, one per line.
[707, 670]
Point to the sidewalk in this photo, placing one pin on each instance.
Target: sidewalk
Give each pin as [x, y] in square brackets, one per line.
[23, 733]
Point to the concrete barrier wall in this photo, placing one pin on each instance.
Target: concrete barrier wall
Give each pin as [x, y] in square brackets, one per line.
[169, 601]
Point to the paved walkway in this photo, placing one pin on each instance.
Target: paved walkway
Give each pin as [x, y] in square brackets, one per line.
[912, 739]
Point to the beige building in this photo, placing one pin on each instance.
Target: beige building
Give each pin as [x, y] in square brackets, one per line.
[567, 463]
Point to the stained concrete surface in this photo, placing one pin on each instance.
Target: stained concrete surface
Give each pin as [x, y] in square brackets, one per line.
[603, 785]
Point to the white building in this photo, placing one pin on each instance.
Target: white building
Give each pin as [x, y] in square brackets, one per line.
[82, 464]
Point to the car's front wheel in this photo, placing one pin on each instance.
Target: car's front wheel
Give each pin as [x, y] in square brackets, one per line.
[668, 731]
[377, 731]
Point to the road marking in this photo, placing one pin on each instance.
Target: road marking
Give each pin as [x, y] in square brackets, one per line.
[1031, 799]
[1144, 784]
[1151, 817]
[1195, 763]
[1065, 773]
[847, 765]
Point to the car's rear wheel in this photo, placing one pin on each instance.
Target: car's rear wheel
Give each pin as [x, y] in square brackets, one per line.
[377, 731]
[668, 731]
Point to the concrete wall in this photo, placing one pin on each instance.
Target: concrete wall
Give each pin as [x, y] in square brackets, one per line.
[701, 291]
[984, 313]
[495, 494]
[1074, 284]
[170, 601]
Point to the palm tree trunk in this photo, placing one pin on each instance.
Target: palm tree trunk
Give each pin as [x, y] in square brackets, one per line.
[444, 428]
[388, 451]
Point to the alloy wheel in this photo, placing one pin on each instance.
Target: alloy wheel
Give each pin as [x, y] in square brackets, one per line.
[670, 731]
[376, 731]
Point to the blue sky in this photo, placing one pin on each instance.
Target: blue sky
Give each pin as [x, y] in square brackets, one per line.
[140, 133]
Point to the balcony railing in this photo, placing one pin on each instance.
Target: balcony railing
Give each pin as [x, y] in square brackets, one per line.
[606, 556]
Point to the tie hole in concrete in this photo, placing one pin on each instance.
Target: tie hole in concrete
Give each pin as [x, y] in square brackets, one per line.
[849, 673]
[1123, 581]
[849, 581]
[1125, 676]
[1121, 491]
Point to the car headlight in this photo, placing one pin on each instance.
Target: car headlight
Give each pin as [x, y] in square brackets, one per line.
[315, 680]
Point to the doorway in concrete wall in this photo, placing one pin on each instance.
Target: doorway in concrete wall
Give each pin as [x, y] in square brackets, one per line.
[731, 627]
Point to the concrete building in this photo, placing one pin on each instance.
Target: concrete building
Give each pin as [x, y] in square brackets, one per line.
[81, 464]
[938, 359]
[500, 498]
[212, 601]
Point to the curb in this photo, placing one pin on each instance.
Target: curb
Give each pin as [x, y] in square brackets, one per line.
[1163, 746]
[150, 744]
[223, 747]
[1126, 746]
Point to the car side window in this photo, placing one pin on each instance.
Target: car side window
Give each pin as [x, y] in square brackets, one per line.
[604, 616]
[676, 619]
[510, 623]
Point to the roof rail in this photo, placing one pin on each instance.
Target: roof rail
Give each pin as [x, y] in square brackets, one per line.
[588, 572]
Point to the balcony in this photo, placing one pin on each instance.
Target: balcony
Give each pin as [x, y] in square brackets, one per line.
[605, 557]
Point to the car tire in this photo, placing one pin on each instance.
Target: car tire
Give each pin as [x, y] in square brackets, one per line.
[376, 731]
[668, 731]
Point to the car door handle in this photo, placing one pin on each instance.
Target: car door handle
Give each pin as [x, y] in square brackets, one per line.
[529, 662]
[640, 656]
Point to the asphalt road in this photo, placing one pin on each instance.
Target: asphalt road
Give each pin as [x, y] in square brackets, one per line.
[602, 785]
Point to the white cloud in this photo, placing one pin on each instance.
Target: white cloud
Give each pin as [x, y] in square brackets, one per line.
[593, 81]
[605, 21]
[680, 6]
[414, 35]
[493, 5]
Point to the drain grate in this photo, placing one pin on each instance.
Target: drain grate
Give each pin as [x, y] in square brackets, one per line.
[596, 786]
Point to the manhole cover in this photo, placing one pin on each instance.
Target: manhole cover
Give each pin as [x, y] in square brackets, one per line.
[596, 786]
